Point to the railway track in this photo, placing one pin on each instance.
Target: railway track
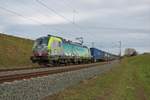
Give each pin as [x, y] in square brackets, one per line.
[9, 76]
[15, 69]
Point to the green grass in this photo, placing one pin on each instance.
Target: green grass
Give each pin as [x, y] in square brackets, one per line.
[130, 80]
[15, 52]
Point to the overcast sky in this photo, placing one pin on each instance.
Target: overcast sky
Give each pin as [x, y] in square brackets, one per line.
[104, 22]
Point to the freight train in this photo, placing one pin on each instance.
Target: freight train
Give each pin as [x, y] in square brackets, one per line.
[55, 50]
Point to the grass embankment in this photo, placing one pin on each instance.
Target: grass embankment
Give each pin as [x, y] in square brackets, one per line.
[128, 81]
[15, 52]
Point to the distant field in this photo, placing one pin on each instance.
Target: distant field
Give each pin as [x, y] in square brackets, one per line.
[15, 52]
[128, 81]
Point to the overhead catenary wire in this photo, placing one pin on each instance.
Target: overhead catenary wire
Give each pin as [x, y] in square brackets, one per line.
[72, 22]
[27, 18]
[54, 11]
[43, 4]
[73, 9]
[68, 5]
[60, 15]
[20, 15]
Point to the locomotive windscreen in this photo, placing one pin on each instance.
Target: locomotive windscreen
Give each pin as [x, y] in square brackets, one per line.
[41, 43]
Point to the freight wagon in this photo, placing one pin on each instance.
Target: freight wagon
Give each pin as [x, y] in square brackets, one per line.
[97, 55]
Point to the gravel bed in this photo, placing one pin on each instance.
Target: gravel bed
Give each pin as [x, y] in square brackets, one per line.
[40, 87]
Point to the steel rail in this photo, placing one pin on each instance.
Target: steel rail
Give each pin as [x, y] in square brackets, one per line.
[21, 76]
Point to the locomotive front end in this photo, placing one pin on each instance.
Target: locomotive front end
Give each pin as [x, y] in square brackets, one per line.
[40, 50]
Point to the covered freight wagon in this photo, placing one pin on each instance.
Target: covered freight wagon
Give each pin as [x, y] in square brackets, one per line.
[97, 55]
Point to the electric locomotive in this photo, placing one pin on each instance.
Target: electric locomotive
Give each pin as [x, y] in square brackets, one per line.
[56, 50]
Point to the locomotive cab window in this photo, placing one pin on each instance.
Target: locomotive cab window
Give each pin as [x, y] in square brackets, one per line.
[41, 41]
